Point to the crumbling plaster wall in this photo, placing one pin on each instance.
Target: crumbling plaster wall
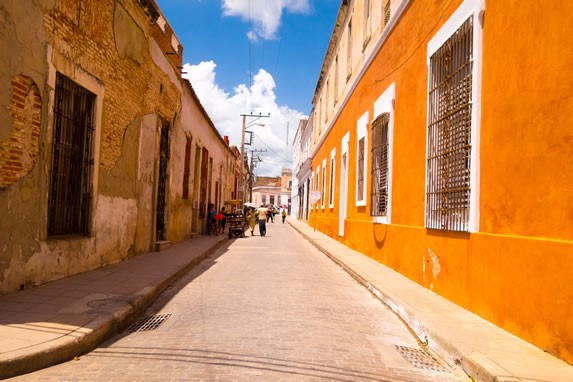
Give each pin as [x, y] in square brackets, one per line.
[107, 43]
[23, 45]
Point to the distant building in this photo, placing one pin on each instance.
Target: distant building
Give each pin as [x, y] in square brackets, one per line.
[286, 188]
[302, 163]
[267, 190]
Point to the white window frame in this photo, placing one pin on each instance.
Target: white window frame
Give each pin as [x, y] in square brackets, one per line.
[476, 9]
[385, 104]
[323, 191]
[343, 197]
[317, 185]
[332, 178]
[362, 132]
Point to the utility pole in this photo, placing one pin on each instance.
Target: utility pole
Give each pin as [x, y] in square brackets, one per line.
[242, 176]
[252, 170]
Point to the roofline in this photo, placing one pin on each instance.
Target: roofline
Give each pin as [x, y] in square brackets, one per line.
[334, 40]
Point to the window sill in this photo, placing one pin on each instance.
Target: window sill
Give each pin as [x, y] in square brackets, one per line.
[365, 43]
[380, 220]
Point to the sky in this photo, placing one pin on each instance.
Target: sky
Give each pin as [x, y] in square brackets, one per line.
[254, 56]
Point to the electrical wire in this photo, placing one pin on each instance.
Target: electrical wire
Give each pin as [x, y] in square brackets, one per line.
[269, 147]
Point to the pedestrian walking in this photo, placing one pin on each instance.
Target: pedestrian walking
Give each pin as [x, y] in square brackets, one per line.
[252, 220]
[263, 214]
[283, 214]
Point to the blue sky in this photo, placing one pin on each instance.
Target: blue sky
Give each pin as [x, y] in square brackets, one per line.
[282, 42]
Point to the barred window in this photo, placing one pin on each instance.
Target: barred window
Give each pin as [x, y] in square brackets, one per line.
[379, 201]
[331, 188]
[360, 174]
[386, 13]
[71, 170]
[449, 132]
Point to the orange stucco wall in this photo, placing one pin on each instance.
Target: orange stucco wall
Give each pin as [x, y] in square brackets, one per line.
[516, 270]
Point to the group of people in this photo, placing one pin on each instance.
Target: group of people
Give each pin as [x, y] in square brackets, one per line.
[218, 219]
[261, 216]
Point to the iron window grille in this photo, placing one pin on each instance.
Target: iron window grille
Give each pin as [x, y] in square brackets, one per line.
[71, 170]
[449, 132]
[360, 175]
[379, 196]
[387, 13]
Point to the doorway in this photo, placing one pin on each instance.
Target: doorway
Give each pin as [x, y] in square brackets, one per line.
[160, 219]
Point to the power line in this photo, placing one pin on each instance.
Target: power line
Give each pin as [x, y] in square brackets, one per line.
[270, 148]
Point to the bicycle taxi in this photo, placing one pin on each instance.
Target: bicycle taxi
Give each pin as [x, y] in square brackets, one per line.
[235, 218]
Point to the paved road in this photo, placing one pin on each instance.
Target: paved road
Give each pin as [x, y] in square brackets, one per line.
[268, 308]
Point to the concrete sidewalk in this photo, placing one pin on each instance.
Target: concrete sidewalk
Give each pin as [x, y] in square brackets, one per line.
[481, 349]
[57, 321]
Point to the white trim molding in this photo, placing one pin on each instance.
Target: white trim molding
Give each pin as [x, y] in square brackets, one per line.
[343, 198]
[468, 8]
[317, 185]
[332, 184]
[323, 190]
[362, 132]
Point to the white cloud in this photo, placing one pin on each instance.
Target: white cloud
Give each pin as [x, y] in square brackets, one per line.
[225, 110]
[265, 14]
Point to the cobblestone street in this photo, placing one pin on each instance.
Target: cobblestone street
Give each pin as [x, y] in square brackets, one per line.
[261, 308]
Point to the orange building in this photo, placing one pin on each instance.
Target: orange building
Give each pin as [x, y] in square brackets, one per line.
[443, 146]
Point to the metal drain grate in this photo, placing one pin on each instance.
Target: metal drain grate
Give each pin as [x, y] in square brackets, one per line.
[420, 359]
[149, 323]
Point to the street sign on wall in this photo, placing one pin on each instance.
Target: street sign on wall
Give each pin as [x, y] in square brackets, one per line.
[315, 196]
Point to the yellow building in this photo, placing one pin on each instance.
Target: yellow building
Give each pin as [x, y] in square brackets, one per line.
[443, 148]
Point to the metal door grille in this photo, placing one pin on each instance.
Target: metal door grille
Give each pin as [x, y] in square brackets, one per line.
[187, 169]
[162, 182]
[70, 193]
[203, 185]
[449, 133]
[379, 196]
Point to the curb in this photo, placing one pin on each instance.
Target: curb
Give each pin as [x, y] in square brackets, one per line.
[105, 326]
[427, 338]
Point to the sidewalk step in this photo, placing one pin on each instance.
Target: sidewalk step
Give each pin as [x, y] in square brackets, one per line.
[162, 245]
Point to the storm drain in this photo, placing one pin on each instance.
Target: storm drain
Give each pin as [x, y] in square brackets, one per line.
[420, 359]
[149, 323]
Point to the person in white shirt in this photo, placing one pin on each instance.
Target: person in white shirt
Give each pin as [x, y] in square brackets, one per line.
[262, 212]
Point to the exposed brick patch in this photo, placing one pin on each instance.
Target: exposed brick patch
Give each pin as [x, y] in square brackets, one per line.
[19, 152]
